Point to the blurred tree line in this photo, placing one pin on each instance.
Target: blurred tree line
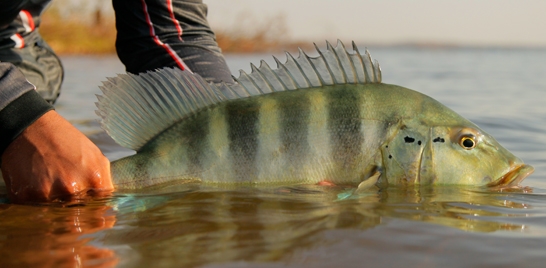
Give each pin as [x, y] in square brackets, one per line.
[88, 27]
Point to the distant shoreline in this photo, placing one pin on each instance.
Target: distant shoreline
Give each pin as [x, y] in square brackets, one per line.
[98, 38]
[82, 51]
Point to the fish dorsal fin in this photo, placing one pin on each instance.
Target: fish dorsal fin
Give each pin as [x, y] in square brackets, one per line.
[136, 108]
[333, 66]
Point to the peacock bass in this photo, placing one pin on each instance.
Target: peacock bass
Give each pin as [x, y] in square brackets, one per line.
[311, 120]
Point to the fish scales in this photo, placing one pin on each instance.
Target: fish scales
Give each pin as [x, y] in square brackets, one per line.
[274, 138]
[344, 123]
[294, 114]
[327, 118]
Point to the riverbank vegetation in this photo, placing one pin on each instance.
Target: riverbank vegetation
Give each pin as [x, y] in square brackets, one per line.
[94, 32]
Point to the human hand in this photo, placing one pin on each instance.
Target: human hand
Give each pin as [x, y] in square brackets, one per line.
[53, 161]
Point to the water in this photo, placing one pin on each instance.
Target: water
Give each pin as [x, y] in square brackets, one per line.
[502, 90]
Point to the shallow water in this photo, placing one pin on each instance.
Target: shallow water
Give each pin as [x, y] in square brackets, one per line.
[502, 90]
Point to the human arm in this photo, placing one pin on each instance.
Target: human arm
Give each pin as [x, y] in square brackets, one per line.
[146, 41]
[44, 158]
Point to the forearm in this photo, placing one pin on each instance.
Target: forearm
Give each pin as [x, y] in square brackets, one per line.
[153, 34]
[9, 10]
[20, 104]
[43, 157]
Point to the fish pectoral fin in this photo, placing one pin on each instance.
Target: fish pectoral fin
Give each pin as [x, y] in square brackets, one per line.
[368, 183]
[361, 189]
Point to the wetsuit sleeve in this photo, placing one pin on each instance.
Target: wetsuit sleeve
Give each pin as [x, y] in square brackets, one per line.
[153, 34]
[20, 104]
[9, 10]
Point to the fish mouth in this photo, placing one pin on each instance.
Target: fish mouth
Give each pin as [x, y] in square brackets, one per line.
[513, 177]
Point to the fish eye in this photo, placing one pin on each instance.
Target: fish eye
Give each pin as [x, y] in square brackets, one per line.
[468, 142]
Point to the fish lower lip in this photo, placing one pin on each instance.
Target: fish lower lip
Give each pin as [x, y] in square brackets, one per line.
[513, 177]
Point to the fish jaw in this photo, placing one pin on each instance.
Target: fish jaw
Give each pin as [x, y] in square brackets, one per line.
[513, 177]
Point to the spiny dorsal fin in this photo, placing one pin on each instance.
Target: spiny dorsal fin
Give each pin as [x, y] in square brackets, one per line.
[136, 108]
[333, 66]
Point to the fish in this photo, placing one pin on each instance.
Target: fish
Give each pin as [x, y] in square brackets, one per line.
[325, 120]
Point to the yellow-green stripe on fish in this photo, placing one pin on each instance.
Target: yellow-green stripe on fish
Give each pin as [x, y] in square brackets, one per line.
[327, 118]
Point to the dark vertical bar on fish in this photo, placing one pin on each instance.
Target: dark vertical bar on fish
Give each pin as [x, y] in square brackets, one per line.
[196, 132]
[344, 125]
[242, 119]
[294, 129]
[141, 168]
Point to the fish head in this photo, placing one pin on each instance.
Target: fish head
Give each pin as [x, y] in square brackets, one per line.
[450, 155]
[466, 155]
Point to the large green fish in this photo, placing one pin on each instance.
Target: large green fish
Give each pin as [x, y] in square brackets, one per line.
[311, 120]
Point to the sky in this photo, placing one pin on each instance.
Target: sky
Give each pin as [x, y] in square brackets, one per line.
[461, 22]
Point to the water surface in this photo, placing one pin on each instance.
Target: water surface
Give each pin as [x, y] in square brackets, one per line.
[502, 90]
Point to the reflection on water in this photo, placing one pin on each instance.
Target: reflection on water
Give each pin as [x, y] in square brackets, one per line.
[193, 226]
[54, 236]
[312, 226]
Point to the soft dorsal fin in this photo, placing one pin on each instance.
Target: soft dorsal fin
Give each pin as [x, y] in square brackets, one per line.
[136, 108]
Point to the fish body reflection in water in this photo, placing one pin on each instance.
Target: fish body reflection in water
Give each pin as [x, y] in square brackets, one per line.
[206, 225]
[185, 226]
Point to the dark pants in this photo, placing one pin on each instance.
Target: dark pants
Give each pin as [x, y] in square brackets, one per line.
[151, 34]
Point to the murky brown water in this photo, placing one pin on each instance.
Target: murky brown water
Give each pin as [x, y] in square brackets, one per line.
[503, 91]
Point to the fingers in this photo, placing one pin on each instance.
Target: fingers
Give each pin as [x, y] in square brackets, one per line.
[53, 161]
[63, 188]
